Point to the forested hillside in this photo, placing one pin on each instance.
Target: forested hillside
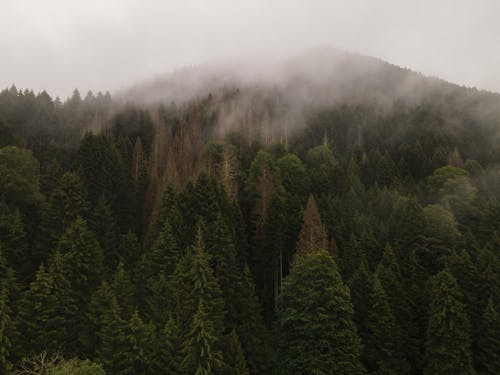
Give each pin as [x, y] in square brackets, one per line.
[341, 219]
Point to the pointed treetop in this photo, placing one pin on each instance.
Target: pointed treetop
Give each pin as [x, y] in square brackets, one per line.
[313, 236]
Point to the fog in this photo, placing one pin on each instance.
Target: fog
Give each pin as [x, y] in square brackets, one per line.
[59, 45]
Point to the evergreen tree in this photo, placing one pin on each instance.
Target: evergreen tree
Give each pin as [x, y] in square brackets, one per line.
[383, 343]
[169, 349]
[140, 339]
[315, 322]
[200, 347]
[312, 235]
[108, 341]
[361, 287]
[203, 340]
[488, 356]
[448, 341]
[82, 257]
[5, 323]
[234, 358]
[250, 328]
[124, 290]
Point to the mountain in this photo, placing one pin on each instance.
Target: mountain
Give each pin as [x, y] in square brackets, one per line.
[327, 212]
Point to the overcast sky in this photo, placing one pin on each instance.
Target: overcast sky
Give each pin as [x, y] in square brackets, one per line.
[58, 45]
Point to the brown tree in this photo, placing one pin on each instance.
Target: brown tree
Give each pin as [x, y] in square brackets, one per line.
[312, 235]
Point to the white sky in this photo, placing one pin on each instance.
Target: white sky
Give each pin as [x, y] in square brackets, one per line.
[58, 45]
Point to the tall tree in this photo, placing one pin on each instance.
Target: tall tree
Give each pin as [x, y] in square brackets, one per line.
[312, 235]
[383, 343]
[317, 334]
[488, 357]
[448, 333]
[203, 340]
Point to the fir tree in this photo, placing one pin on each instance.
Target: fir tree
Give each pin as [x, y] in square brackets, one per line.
[234, 358]
[383, 343]
[315, 322]
[82, 257]
[140, 339]
[312, 235]
[169, 349]
[203, 340]
[200, 348]
[108, 342]
[5, 323]
[448, 341]
[488, 356]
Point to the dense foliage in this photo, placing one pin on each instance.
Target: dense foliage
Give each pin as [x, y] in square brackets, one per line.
[144, 240]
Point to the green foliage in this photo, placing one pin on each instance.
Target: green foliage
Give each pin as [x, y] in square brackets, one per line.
[488, 358]
[19, 176]
[448, 332]
[312, 235]
[315, 325]
[383, 341]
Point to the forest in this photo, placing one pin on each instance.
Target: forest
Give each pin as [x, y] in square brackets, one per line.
[250, 231]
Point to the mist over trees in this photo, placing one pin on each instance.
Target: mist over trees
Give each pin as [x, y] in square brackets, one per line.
[341, 222]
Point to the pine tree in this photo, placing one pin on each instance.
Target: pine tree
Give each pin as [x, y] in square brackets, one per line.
[361, 287]
[488, 356]
[312, 235]
[140, 340]
[164, 253]
[383, 343]
[108, 341]
[82, 257]
[351, 256]
[234, 358]
[5, 325]
[169, 349]
[32, 313]
[124, 290]
[203, 340]
[103, 223]
[448, 341]
[390, 277]
[250, 328]
[315, 322]
[201, 354]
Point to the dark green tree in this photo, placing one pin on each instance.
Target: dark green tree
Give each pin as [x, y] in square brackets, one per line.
[383, 343]
[234, 358]
[448, 333]
[317, 334]
[488, 359]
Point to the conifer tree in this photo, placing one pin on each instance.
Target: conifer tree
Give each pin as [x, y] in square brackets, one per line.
[200, 347]
[103, 224]
[169, 349]
[140, 339]
[164, 253]
[37, 309]
[448, 341]
[312, 235]
[203, 340]
[250, 328]
[108, 342]
[130, 250]
[5, 324]
[82, 257]
[383, 343]
[167, 212]
[361, 287]
[389, 274]
[351, 256]
[124, 290]
[488, 356]
[315, 322]
[234, 358]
